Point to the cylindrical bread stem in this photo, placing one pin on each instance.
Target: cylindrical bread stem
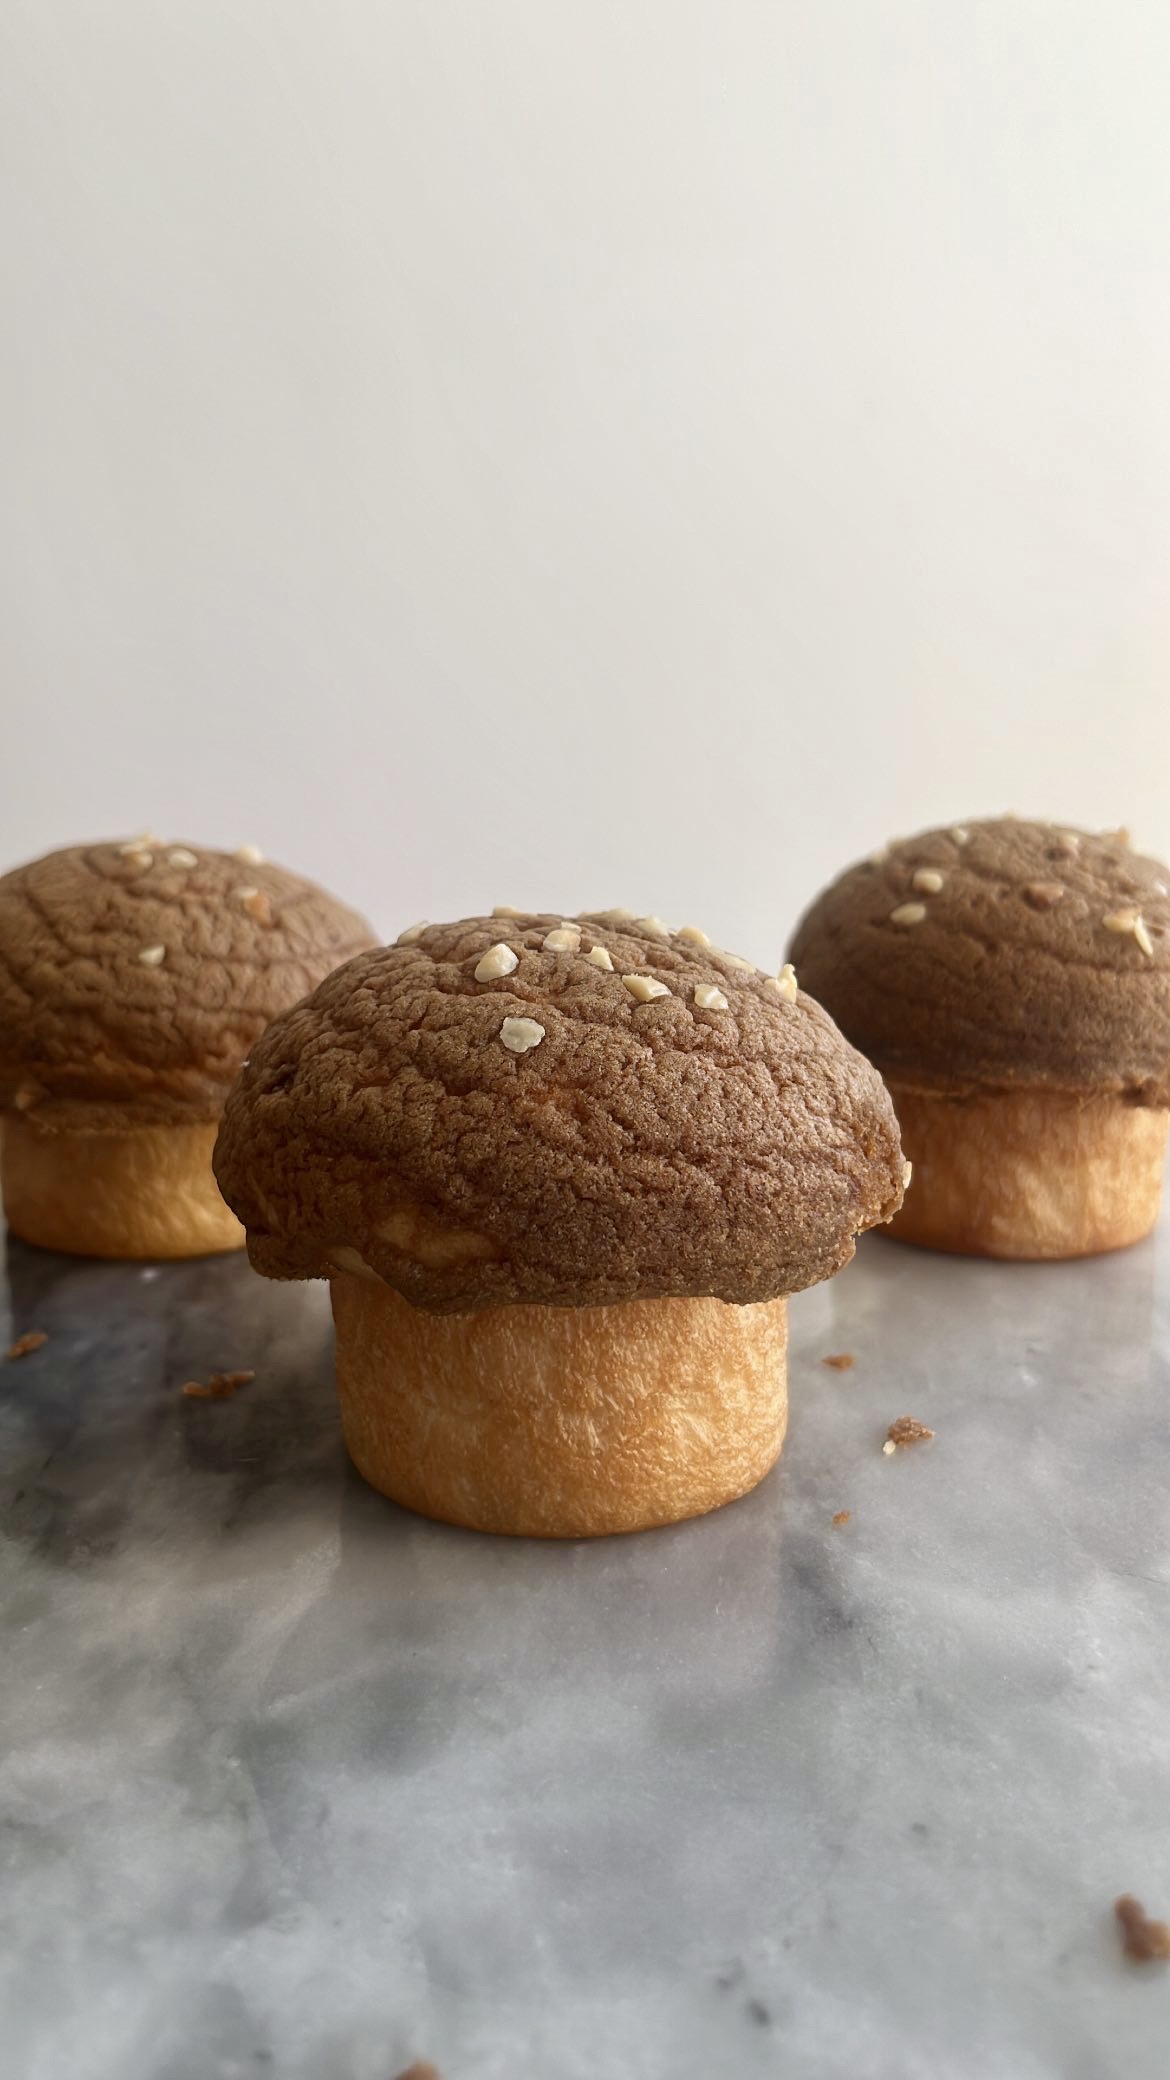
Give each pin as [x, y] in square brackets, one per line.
[560, 1422]
[150, 1192]
[1029, 1173]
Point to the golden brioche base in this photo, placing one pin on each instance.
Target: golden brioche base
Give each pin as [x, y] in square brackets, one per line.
[148, 1193]
[1028, 1174]
[560, 1422]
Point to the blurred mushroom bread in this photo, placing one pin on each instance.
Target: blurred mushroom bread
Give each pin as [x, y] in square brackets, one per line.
[1011, 981]
[561, 1175]
[134, 977]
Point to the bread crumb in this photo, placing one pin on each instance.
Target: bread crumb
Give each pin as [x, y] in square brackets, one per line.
[30, 1341]
[843, 1516]
[1147, 1942]
[841, 1361]
[220, 1387]
[906, 1430]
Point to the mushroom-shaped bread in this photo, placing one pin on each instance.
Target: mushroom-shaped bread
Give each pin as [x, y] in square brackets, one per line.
[561, 1177]
[133, 980]
[1011, 981]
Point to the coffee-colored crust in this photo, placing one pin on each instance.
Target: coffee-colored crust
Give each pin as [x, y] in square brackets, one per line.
[560, 1422]
[641, 1149]
[1012, 978]
[93, 1037]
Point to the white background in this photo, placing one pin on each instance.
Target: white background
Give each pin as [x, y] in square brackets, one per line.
[576, 452]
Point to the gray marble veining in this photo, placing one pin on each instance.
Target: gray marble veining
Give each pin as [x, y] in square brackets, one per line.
[294, 1783]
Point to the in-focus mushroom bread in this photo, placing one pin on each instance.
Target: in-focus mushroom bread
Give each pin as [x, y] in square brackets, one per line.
[1011, 980]
[133, 979]
[561, 1175]
[527, 1110]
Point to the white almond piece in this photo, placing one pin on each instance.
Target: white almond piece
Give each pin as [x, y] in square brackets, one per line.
[784, 984]
[960, 834]
[520, 1034]
[506, 910]
[928, 881]
[498, 960]
[181, 856]
[736, 960]
[908, 913]
[598, 957]
[250, 854]
[412, 933]
[907, 1174]
[708, 998]
[651, 928]
[153, 956]
[565, 939]
[694, 933]
[645, 987]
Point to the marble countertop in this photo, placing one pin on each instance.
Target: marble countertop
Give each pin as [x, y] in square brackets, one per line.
[292, 1783]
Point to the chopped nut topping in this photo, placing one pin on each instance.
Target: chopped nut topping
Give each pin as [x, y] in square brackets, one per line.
[519, 1034]
[599, 957]
[651, 928]
[927, 880]
[1146, 1941]
[256, 903]
[694, 933]
[153, 956]
[842, 1516]
[135, 856]
[960, 834]
[1118, 837]
[879, 858]
[615, 917]
[906, 1430]
[498, 960]
[645, 987]
[1044, 895]
[412, 934]
[708, 998]
[889, 1447]
[30, 1341]
[784, 984]
[181, 856]
[1160, 888]
[907, 1174]
[250, 854]
[565, 939]
[506, 910]
[141, 843]
[220, 1387]
[908, 913]
[840, 1361]
[1133, 922]
[736, 960]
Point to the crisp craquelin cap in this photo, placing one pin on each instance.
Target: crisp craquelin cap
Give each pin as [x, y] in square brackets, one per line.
[135, 976]
[998, 956]
[574, 1112]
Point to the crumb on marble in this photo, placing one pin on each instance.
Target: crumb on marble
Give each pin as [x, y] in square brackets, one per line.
[30, 1341]
[906, 1430]
[220, 1387]
[843, 1516]
[1146, 1941]
[841, 1361]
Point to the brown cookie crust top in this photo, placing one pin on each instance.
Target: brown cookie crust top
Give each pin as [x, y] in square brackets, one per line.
[134, 977]
[623, 1113]
[999, 955]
